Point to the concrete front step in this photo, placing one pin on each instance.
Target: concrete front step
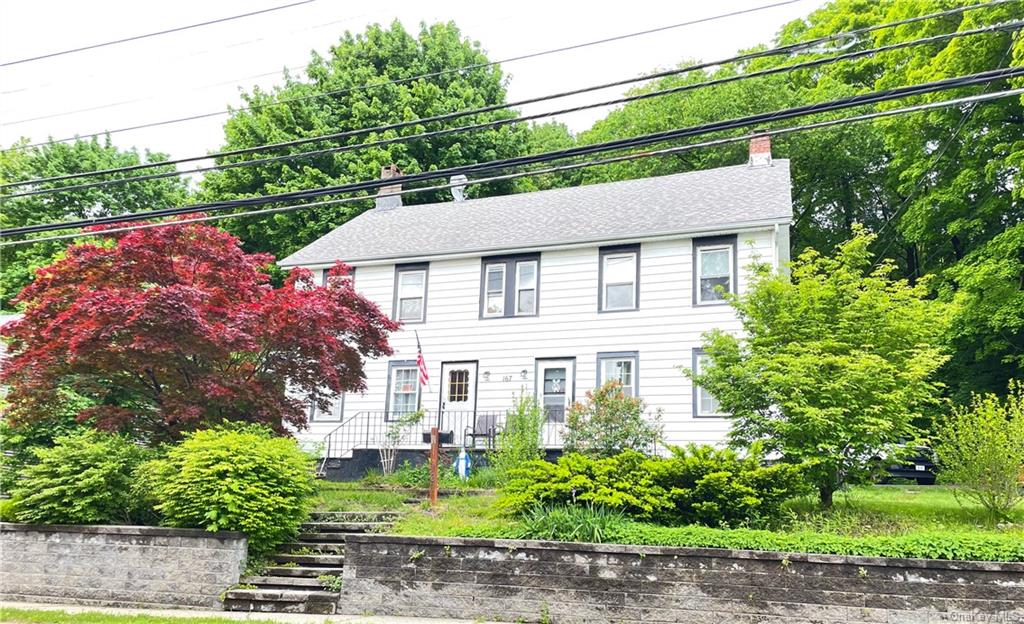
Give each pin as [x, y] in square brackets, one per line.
[283, 582]
[302, 572]
[326, 547]
[310, 560]
[346, 527]
[281, 601]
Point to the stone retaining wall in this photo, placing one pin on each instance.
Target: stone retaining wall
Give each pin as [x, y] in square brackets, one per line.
[123, 566]
[557, 582]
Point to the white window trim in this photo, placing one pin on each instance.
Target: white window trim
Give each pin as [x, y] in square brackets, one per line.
[422, 295]
[515, 301]
[633, 357]
[701, 250]
[392, 385]
[569, 364]
[487, 292]
[697, 389]
[604, 274]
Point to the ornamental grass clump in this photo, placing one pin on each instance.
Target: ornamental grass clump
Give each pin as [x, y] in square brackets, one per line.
[240, 478]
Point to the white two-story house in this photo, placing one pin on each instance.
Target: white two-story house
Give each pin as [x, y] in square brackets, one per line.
[552, 293]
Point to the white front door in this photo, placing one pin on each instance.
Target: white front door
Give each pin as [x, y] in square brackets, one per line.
[555, 387]
[458, 389]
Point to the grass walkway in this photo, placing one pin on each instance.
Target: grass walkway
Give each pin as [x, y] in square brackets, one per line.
[23, 613]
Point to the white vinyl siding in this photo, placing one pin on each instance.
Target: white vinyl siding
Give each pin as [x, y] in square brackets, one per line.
[568, 323]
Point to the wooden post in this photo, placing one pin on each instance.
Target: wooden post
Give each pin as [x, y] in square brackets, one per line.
[434, 443]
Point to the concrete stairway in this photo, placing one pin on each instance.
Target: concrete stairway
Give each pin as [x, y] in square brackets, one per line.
[298, 579]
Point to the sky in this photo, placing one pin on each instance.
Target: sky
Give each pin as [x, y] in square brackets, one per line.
[204, 69]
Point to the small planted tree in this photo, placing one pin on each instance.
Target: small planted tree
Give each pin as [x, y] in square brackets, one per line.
[981, 450]
[610, 422]
[519, 440]
[834, 366]
[165, 330]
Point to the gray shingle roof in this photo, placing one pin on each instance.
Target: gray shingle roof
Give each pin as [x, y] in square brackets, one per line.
[674, 204]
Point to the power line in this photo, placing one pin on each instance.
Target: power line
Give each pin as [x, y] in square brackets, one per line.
[152, 34]
[853, 34]
[649, 139]
[559, 168]
[1016, 25]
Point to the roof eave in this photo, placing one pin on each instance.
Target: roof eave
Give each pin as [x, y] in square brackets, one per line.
[709, 230]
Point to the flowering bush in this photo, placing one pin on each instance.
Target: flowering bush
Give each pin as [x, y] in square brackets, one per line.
[610, 422]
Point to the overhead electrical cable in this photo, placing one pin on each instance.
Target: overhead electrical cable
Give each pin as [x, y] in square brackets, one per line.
[1006, 26]
[153, 34]
[852, 35]
[639, 141]
[971, 100]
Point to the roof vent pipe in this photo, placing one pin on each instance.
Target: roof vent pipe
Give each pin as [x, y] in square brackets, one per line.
[458, 183]
[385, 199]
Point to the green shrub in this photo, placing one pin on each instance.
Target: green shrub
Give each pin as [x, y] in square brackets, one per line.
[981, 449]
[697, 484]
[571, 523]
[85, 478]
[957, 545]
[239, 478]
[21, 439]
[520, 439]
[8, 510]
[610, 422]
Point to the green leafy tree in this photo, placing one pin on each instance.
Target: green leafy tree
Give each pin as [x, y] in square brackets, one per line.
[19, 263]
[359, 71]
[835, 365]
[981, 450]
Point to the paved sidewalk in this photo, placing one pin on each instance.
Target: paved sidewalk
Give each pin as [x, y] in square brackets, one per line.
[288, 618]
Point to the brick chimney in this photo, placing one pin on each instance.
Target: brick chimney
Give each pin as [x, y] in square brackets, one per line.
[393, 201]
[760, 151]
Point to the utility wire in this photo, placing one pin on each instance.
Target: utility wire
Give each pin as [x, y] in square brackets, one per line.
[1016, 25]
[852, 35]
[535, 172]
[644, 140]
[152, 34]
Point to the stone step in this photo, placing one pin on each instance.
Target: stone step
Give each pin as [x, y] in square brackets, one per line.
[281, 601]
[346, 527]
[310, 561]
[355, 516]
[324, 547]
[326, 537]
[283, 582]
[303, 572]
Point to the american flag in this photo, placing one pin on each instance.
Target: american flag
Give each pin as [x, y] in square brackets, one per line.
[421, 363]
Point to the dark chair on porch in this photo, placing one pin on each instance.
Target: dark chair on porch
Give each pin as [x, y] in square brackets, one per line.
[485, 427]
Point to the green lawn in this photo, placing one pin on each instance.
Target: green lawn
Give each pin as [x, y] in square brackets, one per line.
[341, 496]
[45, 616]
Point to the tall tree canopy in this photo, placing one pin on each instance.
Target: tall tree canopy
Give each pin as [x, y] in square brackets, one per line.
[941, 189]
[20, 163]
[168, 329]
[358, 73]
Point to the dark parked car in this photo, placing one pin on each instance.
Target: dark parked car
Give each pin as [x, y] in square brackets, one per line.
[920, 467]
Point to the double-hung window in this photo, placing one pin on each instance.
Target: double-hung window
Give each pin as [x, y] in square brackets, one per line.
[704, 403]
[619, 278]
[714, 269]
[410, 293]
[403, 389]
[509, 286]
[621, 367]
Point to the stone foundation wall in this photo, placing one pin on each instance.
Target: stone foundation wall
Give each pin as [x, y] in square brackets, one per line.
[560, 583]
[127, 566]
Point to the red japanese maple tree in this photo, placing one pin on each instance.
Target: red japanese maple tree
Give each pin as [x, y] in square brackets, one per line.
[172, 328]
